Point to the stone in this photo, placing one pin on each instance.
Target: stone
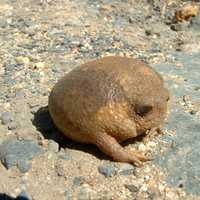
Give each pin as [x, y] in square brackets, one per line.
[39, 65]
[107, 169]
[24, 166]
[3, 23]
[22, 60]
[132, 188]
[85, 193]
[23, 196]
[65, 156]
[53, 146]
[12, 126]
[126, 169]
[78, 181]
[69, 194]
[19, 153]
[6, 117]
[195, 23]
[19, 94]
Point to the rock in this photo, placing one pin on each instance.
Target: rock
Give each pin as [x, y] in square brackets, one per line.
[23, 196]
[195, 23]
[6, 117]
[3, 23]
[24, 166]
[60, 170]
[64, 155]
[108, 169]
[19, 153]
[132, 188]
[180, 26]
[39, 65]
[53, 146]
[22, 60]
[142, 147]
[193, 112]
[12, 126]
[126, 169]
[69, 194]
[146, 178]
[85, 193]
[79, 180]
[10, 67]
[19, 94]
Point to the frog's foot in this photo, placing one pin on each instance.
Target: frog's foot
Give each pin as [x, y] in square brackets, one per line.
[112, 148]
[139, 155]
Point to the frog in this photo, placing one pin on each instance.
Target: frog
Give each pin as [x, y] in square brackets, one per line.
[108, 101]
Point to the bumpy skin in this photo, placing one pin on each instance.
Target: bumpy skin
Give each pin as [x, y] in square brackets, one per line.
[107, 101]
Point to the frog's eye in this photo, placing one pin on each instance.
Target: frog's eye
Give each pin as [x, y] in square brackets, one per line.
[143, 110]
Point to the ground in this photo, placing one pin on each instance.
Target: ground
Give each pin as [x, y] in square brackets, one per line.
[40, 41]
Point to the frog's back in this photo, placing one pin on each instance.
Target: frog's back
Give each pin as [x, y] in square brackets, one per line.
[89, 96]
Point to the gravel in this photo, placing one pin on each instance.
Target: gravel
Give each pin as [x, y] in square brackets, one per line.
[40, 42]
[19, 153]
[107, 169]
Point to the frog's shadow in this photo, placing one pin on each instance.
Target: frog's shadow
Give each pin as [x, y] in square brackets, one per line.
[44, 124]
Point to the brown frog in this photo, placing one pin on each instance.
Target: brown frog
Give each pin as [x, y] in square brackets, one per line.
[107, 101]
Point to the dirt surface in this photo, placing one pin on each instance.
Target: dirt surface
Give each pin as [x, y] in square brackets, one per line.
[40, 42]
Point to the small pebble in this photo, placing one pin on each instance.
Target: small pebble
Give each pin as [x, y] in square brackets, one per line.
[193, 112]
[144, 188]
[142, 147]
[108, 170]
[65, 156]
[60, 170]
[146, 178]
[3, 23]
[19, 94]
[53, 146]
[79, 180]
[23, 196]
[85, 193]
[6, 117]
[132, 188]
[69, 194]
[12, 126]
[22, 60]
[126, 169]
[24, 166]
[39, 65]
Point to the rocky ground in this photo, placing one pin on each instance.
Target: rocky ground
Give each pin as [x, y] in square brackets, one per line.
[40, 41]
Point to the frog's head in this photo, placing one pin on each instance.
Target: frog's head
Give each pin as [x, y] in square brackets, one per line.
[151, 109]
